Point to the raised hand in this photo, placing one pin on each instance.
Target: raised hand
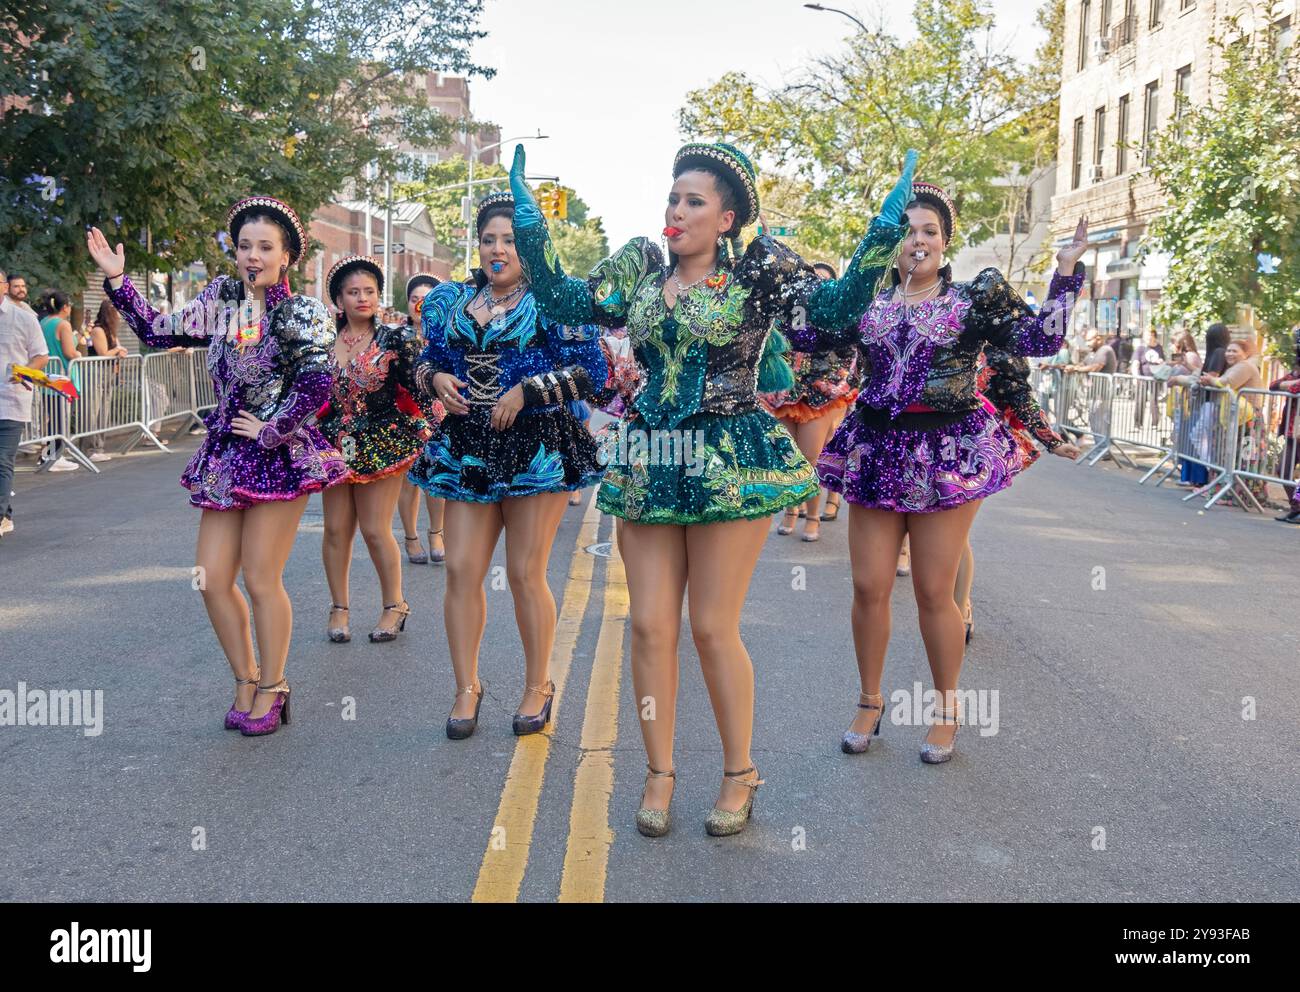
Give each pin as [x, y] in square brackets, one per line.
[901, 195]
[1068, 257]
[111, 263]
[527, 213]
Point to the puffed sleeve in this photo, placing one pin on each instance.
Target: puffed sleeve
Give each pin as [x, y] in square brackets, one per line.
[305, 332]
[435, 315]
[602, 298]
[193, 324]
[1010, 390]
[999, 316]
[580, 370]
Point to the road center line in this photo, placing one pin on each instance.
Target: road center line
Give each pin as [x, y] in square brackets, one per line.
[586, 855]
[506, 858]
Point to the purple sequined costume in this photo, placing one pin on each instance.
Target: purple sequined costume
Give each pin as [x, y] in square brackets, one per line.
[281, 376]
[919, 440]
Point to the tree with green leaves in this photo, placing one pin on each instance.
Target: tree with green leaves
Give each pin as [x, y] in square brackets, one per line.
[150, 119]
[837, 132]
[1230, 173]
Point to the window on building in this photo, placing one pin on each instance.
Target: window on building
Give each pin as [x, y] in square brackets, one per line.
[1186, 5]
[1098, 143]
[1025, 215]
[1085, 15]
[1150, 117]
[1283, 35]
[1182, 91]
[1121, 137]
[1104, 26]
[1076, 170]
[1155, 13]
[1128, 26]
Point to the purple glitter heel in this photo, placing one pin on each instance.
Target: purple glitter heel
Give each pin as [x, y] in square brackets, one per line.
[277, 714]
[235, 718]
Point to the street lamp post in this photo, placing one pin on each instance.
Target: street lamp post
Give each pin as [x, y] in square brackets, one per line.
[836, 10]
[474, 153]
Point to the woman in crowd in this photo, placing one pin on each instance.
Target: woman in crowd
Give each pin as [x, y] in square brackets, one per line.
[1287, 428]
[374, 421]
[408, 503]
[1199, 414]
[920, 453]
[700, 329]
[269, 358]
[507, 455]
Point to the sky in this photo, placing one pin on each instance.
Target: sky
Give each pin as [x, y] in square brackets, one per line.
[604, 79]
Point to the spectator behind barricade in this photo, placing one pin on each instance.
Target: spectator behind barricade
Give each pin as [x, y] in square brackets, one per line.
[1124, 352]
[1150, 355]
[1241, 373]
[1100, 359]
[103, 333]
[1185, 359]
[1217, 339]
[21, 343]
[1186, 404]
[18, 292]
[53, 308]
[1287, 427]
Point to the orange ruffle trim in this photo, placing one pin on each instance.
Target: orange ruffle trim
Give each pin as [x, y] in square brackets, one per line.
[802, 413]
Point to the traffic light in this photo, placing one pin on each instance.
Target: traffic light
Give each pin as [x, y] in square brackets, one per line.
[553, 202]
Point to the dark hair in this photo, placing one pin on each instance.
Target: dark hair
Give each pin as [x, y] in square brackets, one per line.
[725, 184]
[341, 317]
[492, 213]
[1216, 346]
[286, 236]
[935, 205]
[17, 275]
[826, 267]
[51, 302]
[107, 318]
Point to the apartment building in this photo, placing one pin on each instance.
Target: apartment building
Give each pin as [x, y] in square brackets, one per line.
[1130, 68]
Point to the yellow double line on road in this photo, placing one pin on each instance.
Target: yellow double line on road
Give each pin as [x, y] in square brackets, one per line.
[506, 858]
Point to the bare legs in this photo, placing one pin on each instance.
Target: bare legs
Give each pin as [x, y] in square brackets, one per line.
[268, 534]
[713, 564]
[965, 579]
[530, 525]
[811, 437]
[472, 532]
[368, 506]
[938, 541]
[408, 508]
[217, 555]
[437, 523]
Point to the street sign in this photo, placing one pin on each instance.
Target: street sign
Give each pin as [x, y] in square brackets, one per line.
[398, 248]
[782, 232]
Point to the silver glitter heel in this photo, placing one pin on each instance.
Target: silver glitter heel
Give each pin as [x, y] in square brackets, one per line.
[724, 822]
[654, 822]
[338, 635]
[854, 743]
[937, 754]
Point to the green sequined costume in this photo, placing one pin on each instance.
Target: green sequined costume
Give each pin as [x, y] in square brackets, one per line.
[696, 447]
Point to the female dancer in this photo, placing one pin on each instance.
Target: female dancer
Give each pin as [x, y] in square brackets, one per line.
[372, 419]
[920, 452]
[408, 503]
[507, 454]
[699, 326]
[824, 388]
[1003, 381]
[269, 358]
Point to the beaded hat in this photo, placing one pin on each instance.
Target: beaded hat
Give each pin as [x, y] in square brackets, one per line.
[346, 266]
[502, 199]
[934, 197]
[421, 279]
[278, 209]
[733, 165]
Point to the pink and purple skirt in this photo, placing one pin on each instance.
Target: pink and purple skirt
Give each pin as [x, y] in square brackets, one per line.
[920, 471]
[230, 472]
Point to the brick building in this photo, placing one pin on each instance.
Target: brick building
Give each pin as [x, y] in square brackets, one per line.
[1127, 63]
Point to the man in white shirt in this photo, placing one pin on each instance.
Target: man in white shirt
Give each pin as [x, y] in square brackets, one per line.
[21, 343]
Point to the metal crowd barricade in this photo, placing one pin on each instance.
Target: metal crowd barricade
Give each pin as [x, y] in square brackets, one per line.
[112, 399]
[1267, 444]
[1083, 409]
[168, 392]
[1139, 418]
[1206, 433]
[201, 388]
[51, 424]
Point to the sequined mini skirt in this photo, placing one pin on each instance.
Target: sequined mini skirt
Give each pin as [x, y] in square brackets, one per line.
[919, 469]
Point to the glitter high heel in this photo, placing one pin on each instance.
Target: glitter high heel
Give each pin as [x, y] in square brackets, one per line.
[786, 526]
[654, 822]
[462, 729]
[855, 743]
[937, 754]
[436, 555]
[419, 558]
[276, 715]
[523, 724]
[338, 635]
[724, 822]
[235, 718]
[382, 635]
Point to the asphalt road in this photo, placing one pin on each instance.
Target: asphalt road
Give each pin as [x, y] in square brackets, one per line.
[1122, 767]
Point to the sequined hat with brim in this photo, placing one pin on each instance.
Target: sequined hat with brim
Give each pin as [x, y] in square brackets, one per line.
[344, 267]
[731, 164]
[502, 199]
